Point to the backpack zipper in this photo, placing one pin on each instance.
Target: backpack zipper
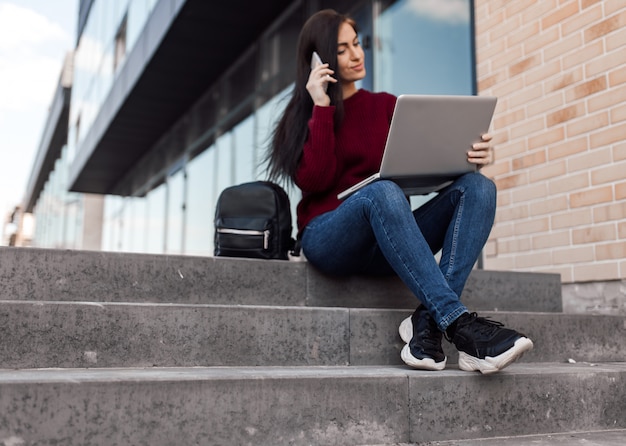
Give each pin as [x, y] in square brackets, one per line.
[265, 234]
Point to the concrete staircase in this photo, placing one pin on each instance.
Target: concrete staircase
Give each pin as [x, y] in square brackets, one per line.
[127, 349]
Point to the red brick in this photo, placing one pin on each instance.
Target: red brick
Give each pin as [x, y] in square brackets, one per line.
[590, 87]
[605, 27]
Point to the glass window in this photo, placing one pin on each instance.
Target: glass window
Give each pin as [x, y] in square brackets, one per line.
[175, 212]
[126, 217]
[107, 235]
[113, 223]
[73, 215]
[135, 224]
[119, 47]
[155, 225]
[200, 204]
[224, 163]
[424, 48]
[69, 240]
[124, 221]
[138, 13]
[266, 118]
[243, 140]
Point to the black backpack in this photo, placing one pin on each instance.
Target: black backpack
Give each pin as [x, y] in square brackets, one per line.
[254, 220]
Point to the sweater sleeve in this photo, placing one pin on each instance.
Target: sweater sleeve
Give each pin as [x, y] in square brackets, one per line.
[318, 164]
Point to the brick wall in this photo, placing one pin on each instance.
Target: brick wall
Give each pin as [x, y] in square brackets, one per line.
[558, 68]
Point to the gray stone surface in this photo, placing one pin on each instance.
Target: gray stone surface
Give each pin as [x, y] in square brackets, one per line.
[556, 337]
[613, 437]
[526, 399]
[304, 405]
[42, 274]
[86, 334]
[484, 291]
[124, 335]
[559, 338]
[259, 353]
[217, 406]
[602, 297]
[513, 291]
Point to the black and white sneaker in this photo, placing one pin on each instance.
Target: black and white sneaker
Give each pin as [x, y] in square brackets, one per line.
[485, 345]
[423, 341]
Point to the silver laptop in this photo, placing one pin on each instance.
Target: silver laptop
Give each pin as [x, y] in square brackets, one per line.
[428, 141]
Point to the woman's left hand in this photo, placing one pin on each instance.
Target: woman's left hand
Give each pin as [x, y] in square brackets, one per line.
[481, 152]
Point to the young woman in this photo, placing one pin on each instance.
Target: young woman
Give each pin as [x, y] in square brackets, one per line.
[331, 136]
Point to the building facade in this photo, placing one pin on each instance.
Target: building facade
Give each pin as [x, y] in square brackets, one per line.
[559, 71]
[174, 100]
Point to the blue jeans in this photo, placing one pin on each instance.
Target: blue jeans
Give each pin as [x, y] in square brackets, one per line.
[375, 232]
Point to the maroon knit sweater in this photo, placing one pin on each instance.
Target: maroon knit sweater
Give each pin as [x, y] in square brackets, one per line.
[333, 162]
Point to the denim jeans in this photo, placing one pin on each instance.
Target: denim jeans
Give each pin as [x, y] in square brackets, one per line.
[375, 232]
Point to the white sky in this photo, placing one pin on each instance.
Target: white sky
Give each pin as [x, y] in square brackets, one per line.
[35, 36]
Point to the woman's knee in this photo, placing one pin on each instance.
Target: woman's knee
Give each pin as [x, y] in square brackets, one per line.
[383, 192]
[382, 198]
[480, 186]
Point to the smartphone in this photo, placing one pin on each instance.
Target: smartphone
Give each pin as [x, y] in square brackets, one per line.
[315, 61]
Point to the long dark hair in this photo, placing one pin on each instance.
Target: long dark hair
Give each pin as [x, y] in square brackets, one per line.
[319, 33]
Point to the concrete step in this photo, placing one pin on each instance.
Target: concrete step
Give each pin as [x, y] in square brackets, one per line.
[86, 334]
[613, 437]
[42, 274]
[305, 405]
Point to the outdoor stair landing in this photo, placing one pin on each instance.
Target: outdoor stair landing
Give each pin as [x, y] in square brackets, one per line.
[130, 349]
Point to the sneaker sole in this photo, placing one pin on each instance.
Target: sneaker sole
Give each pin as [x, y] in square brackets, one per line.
[421, 364]
[494, 364]
[406, 333]
[406, 330]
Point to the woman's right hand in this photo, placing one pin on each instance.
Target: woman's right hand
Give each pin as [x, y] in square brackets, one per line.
[316, 86]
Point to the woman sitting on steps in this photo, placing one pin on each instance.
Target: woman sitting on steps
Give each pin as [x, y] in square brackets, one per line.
[331, 136]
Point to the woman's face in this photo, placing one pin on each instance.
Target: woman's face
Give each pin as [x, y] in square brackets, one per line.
[350, 55]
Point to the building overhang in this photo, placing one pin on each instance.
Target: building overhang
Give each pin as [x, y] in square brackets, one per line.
[53, 138]
[184, 49]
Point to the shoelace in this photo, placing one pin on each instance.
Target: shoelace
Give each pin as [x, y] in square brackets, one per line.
[487, 326]
[480, 324]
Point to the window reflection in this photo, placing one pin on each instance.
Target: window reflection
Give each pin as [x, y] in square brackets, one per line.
[200, 204]
[98, 58]
[243, 155]
[155, 224]
[113, 226]
[267, 117]
[175, 212]
[224, 163]
[424, 48]
[136, 224]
